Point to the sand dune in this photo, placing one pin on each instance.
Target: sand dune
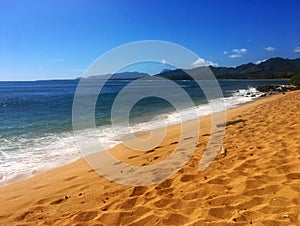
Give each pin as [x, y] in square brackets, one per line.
[257, 183]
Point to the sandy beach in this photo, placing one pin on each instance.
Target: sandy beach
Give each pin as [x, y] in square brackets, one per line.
[256, 183]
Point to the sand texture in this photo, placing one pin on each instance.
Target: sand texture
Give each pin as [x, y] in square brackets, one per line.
[256, 183]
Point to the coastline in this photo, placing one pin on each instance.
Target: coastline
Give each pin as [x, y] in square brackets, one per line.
[43, 148]
[74, 193]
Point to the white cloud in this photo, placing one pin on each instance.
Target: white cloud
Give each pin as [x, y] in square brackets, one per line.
[243, 51]
[260, 61]
[235, 55]
[200, 62]
[270, 49]
[225, 52]
[297, 50]
[163, 61]
[238, 53]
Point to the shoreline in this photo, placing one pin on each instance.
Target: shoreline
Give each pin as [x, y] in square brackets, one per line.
[257, 182]
[27, 175]
[60, 143]
[23, 177]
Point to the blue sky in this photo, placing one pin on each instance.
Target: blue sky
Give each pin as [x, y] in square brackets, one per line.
[60, 39]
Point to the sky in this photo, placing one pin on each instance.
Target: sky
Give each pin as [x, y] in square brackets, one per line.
[59, 39]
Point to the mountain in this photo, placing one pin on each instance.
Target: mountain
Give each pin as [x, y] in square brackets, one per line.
[274, 68]
[127, 75]
[165, 70]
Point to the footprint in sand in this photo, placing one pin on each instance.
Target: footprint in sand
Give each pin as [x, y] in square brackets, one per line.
[86, 216]
[150, 151]
[223, 200]
[23, 216]
[137, 191]
[70, 178]
[224, 212]
[176, 219]
[187, 178]
[163, 203]
[264, 190]
[132, 157]
[293, 176]
[60, 200]
[41, 186]
[129, 203]
[254, 202]
[166, 184]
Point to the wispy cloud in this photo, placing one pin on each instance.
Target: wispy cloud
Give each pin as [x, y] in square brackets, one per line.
[225, 52]
[297, 50]
[235, 55]
[260, 61]
[270, 49]
[200, 62]
[238, 53]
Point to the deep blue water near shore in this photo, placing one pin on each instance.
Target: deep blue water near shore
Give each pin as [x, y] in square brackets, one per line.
[36, 119]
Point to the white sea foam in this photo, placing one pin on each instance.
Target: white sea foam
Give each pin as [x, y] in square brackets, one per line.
[23, 157]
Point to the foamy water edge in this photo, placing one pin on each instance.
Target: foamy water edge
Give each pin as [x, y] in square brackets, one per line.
[60, 149]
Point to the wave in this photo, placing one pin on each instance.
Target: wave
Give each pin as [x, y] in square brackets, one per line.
[23, 157]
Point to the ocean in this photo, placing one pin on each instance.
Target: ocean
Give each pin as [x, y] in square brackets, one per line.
[36, 132]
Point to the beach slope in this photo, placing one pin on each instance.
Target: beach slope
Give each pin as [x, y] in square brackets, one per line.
[257, 182]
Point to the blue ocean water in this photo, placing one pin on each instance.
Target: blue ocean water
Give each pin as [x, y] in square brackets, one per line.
[36, 119]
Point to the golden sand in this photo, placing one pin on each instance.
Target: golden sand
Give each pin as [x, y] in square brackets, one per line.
[257, 182]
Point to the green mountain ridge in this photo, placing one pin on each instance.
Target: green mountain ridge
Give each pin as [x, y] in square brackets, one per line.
[273, 68]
